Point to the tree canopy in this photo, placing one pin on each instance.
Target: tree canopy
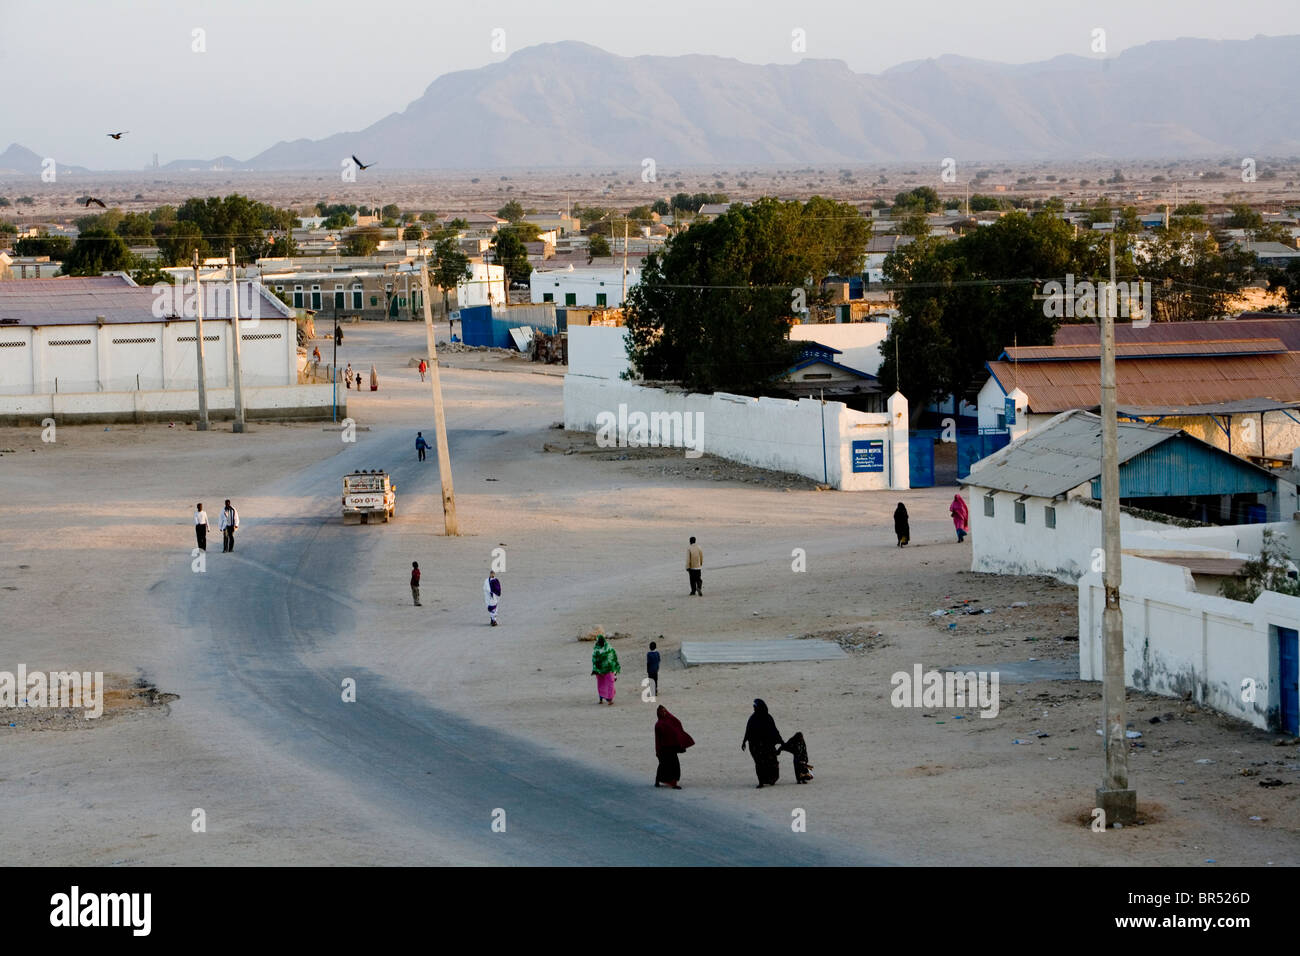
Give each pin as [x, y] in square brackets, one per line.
[508, 250]
[713, 309]
[96, 251]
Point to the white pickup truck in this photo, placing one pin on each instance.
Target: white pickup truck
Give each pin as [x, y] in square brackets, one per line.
[368, 494]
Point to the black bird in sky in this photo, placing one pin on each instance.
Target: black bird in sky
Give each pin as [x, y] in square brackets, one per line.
[360, 164]
[119, 135]
[92, 201]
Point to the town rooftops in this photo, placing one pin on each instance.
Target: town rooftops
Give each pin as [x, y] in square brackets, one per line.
[1066, 453]
[1251, 325]
[1147, 382]
[1125, 350]
[115, 298]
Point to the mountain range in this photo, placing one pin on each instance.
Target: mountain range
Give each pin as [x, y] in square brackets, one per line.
[571, 105]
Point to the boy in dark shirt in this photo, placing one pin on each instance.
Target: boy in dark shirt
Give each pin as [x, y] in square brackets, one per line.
[415, 582]
[652, 666]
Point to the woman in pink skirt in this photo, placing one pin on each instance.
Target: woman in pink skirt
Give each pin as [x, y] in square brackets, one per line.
[604, 665]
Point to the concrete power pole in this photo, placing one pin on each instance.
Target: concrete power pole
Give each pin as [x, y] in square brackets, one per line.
[623, 301]
[238, 426]
[1113, 796]
[200, 370]
[449, 524]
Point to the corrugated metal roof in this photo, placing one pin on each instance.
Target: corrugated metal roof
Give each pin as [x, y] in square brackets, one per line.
[1154, 382]
[80, 301]
[1065, 353]
[1062, 454]
[1249, 326]
[1244, 406]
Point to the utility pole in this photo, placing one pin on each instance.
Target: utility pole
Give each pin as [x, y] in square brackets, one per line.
[449, 524]
[1114, 797]
[200, 375]
[238, 426]
[623, 300]
[334, 373]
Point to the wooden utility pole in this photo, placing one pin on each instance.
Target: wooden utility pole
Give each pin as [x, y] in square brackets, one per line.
[623, 301]
[449, 524]
[200, 372]
[1113, 796]
[238, 426]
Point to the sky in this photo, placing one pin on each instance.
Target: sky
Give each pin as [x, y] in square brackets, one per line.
[261, 71]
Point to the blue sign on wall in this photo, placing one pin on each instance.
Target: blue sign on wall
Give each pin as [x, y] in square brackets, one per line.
[869, 455]
[1010, 404]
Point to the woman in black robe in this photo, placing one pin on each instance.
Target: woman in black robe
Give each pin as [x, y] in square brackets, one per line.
[763, 739]
[900, 525]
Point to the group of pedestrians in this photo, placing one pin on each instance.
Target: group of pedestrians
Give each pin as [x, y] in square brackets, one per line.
[761, 737]
[227, 524]
[958, 510]
[350, 377]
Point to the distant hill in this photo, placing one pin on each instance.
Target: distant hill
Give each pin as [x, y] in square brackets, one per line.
[19, 160]
[570, 104]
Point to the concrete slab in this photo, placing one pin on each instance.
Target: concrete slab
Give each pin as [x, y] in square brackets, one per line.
[758, 652]
[1025, 672]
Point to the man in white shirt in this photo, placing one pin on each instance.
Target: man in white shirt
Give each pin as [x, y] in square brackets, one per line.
[201, 526]
[229, 524]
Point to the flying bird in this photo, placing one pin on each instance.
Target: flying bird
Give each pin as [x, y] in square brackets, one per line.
[360, 164]
[91, 200]
[119, 135]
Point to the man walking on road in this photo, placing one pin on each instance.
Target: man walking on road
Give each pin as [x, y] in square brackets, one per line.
[694, 567]
[421, 446]
[229, 523]
[201, 526]
[415, 582]
[424, 367]
[492, 595]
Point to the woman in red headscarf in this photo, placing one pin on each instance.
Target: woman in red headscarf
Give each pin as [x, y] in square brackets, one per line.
[670, 740]
[960, 516]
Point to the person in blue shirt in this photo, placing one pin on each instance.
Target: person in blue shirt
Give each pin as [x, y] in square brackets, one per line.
[652, 665]
[421, 446]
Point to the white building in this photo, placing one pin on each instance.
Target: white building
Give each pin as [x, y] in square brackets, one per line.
[594, 287]
[105, 349]
[485, 286]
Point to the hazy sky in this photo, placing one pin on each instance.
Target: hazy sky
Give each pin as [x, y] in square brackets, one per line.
[287, 69]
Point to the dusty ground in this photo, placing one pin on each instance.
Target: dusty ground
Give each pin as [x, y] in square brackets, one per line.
[594, 538]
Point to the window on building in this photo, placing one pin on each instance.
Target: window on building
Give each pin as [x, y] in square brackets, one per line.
[1049, 516]
[374, 301]
[548, 297]
[339, 297]
[357, 299]
[570, 298]
[1020, 512]
[988, 506]
[315, 297]
[297, 297]
[600, 298]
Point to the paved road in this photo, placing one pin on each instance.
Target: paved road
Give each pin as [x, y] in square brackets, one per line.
[441, 772]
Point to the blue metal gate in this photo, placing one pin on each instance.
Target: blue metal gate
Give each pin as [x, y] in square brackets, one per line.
[1289, 680]
[973, 446]
[920, 459]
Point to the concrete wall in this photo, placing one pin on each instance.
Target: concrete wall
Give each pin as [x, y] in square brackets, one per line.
[859, 341]
[584, 284]
[145, 355]
[309, 402]
[1001, 545]
[598, 351]
[1177, 641]
[779, 434]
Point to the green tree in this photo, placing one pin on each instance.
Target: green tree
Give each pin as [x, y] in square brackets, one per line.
[598, 247]
[391, 211]
[236, 221]
[713, 309]
[450, 267]
[923, 198]
[1244, 217]
[512, 211]
[181, 241]
[337, 220]
[982, 203]
[362, 242]
[913, 223]
[56, 247]
[108, 220]
[1268, 572]
[661, 207]
[413, 232]
[962, 301]
[97, 251]
[136, 226]
[1192, 277]
[508, 250]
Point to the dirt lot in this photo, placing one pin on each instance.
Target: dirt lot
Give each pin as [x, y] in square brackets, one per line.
[595, 538]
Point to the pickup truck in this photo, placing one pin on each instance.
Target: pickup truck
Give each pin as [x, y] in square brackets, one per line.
[368, 495]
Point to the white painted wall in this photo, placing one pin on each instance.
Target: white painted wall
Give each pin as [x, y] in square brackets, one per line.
[597, 351]
[585, 284]
[162, 354]
[779, 434]
[484, 281]
[303, 401]
[859, 341]
[1178, 641]
[992, 401]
